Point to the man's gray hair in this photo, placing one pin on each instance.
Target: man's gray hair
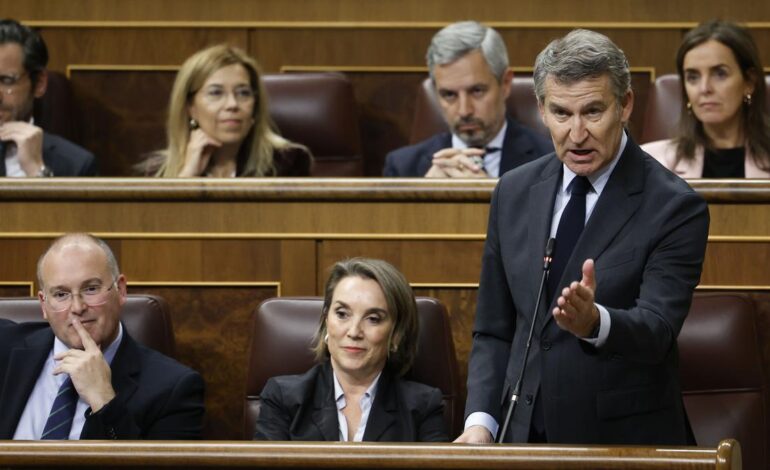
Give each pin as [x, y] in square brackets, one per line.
[112, 263]
[458, 39]
[579, 55]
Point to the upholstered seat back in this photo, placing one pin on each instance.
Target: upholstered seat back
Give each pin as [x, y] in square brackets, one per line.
[520, 105]
[318, 110]
[146, 318]
[723, 381]
[664, 105]
[282, 334]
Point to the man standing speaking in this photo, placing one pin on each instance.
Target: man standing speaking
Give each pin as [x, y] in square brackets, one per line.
[630, 238]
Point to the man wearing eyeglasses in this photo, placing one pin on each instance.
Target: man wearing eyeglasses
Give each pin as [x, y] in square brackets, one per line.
[82, 376]
[27, 150]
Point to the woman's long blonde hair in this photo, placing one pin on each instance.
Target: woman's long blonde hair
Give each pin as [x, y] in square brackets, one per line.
[255, 156]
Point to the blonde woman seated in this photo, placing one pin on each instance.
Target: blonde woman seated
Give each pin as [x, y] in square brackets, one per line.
[366, 340]
[724, 129]
[218, 122]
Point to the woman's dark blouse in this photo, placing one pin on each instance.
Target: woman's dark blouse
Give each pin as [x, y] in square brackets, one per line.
[724, 163]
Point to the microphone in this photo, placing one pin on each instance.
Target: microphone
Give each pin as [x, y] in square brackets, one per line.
[547, 258]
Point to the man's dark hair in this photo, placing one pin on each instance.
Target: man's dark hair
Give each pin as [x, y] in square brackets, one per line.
[32, 45]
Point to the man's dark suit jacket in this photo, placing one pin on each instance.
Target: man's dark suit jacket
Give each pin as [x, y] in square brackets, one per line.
[302, 408]
[156, 397]
[520, 145]
[647, 235]
[64, 158]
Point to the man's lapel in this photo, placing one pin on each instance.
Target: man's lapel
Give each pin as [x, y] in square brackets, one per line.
[517, 148]
[125, 367]
[24, 366]
[542, 195]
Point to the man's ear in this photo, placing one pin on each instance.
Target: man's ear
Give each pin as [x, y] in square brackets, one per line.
[507, 82]
[41, 298]
[627, 106]
[541, 108]
[122, 289]
[42, 84]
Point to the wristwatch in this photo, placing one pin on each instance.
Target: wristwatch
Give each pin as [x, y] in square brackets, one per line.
[45, 172]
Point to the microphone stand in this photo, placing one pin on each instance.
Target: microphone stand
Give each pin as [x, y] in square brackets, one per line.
[547, 258]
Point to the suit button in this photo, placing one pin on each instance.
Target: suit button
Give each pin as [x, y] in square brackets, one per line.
[547, 345]
[528, 399]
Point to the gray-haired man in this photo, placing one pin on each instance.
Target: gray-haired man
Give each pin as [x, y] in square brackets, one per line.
[630, 241]
[468, 64]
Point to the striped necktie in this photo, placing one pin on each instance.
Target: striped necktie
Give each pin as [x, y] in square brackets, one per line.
[62, 413]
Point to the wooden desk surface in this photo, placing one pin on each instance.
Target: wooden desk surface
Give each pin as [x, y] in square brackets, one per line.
[333, 455]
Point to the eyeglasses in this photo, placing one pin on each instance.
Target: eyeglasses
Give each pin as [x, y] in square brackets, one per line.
[93, 296]
[8, 83]
[217, 94]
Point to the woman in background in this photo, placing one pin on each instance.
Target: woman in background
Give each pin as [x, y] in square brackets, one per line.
[218, 122]
[366, 340]
[724, 129]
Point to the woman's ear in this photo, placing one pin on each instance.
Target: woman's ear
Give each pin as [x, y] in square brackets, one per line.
[751, 80]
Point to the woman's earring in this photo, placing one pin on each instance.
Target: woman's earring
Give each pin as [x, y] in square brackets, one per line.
[193, 124]
[689, 108]
[747, 99]
[326, 338]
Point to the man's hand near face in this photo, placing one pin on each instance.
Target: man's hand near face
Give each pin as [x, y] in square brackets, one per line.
[29, 143]
[457, 163]
[88, 370]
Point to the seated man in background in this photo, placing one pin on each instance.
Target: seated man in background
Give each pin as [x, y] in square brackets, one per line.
[81, 376]
[468, 64]
[26, 149]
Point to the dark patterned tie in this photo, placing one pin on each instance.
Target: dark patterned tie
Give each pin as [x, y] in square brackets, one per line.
[62, 413]
[570, 227]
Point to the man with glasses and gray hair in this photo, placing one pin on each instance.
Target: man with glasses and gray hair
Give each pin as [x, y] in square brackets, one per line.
[601, 364]
[81, 375]
[468, 65]
[26, 149]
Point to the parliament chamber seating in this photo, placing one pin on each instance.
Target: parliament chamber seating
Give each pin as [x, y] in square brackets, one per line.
[664, 103]
[520, 105]
[723, 380]
[146, 318]
[282, 331]
[318, 110]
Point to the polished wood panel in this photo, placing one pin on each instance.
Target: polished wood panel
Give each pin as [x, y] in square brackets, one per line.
[8, 289]
[356, 12]
[735, 263]
[333, 455]
[211, 327]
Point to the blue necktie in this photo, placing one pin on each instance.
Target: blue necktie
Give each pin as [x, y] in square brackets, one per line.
[570, 227]
[62, 413]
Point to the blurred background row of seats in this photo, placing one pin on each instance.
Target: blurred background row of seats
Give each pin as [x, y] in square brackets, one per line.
[319, 110]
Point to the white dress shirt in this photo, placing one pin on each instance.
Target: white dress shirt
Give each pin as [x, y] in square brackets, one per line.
[366, 406]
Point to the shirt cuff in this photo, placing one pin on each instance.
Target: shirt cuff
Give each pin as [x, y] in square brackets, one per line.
[604, 328]
[479, 418]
